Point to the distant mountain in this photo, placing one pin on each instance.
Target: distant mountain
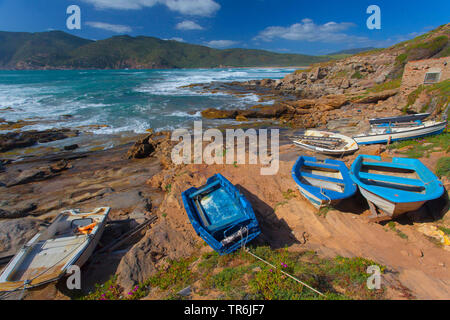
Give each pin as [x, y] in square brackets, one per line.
[351, 51]
[59, 50]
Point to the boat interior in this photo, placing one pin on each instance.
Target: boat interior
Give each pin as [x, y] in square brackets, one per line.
[58, 244]
[219, 211]
[393, 176]
[322, 177]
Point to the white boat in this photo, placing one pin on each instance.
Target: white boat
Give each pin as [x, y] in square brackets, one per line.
[388, 134]
[326, 142]
[69, 240]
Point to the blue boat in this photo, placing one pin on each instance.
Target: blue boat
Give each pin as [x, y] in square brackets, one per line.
[221, 215]
[394, 185]
[323, 182]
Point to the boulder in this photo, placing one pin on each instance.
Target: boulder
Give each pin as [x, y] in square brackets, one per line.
[160, 243]
[143, 148]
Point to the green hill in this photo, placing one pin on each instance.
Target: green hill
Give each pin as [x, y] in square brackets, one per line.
[59, 50]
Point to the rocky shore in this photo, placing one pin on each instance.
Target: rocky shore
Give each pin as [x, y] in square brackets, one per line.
[138, 181]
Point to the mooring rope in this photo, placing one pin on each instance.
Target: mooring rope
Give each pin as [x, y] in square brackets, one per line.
[292, 277]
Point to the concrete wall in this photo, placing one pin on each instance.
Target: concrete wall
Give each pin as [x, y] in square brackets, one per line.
[415, 71]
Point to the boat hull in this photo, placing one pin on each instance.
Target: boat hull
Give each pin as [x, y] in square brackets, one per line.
[350, 147]
[323, 182]
[221, 215]
[315, 201]
[391, 209]
[394, 186]
[28, 264]
[401, 135]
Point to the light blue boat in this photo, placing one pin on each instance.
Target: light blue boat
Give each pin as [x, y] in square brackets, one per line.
[323, 182]
[395, 186]
[221, 215]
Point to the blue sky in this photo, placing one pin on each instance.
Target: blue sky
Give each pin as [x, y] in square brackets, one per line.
[291, 26]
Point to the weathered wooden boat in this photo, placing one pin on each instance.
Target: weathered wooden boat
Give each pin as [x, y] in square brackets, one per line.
[400, 119]
[323, 182]
[394, 186]
[326, 142]
[388, 134]
[69, 240]
[221, 215]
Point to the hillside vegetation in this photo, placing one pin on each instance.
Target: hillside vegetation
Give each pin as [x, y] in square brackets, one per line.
[59, 50]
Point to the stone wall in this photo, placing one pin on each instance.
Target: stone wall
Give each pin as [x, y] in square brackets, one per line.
[415, 71]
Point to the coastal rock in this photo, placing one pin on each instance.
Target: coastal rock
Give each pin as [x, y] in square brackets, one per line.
[142, 148]
[212, 113]
[15, 233]
[19, 211]
[160, 243]
[39, 174]
[379, 96]
[14, 140]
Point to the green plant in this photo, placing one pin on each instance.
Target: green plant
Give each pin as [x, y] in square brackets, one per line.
[176, 277]
[107, 291]
[392, 226]
[389, 85]
[357, 75]
[443, 167]
[289, 194]
[445, 230]
[168, 188]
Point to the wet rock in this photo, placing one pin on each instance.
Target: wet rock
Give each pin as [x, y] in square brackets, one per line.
[14, 140]
[213, 113]
[15, 233]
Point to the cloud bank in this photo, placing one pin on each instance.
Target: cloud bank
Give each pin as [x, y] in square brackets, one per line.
[307, 30]
[116, 28]
[185, 7]
[188, 25]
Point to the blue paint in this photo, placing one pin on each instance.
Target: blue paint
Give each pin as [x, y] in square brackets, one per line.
[426, 187]
[322, 193]
[219, 210]
[401, 139]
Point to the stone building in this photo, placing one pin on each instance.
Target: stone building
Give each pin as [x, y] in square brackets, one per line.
[427, 71]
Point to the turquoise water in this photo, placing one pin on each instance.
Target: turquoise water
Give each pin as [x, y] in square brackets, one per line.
[124, 100]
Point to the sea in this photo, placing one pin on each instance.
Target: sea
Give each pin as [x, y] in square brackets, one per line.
[115, 101]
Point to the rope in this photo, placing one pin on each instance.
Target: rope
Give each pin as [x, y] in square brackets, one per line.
[292, 277]
[329, 199]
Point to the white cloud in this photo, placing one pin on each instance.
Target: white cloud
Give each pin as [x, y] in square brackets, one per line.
[188, 25]
[221, 43]
[117, 28]
[186, 7]
[307, 30]
[176, 39]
